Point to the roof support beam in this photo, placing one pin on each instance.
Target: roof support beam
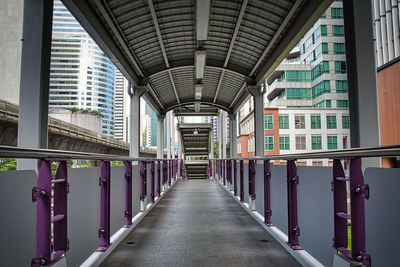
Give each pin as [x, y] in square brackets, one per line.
[228, 55]
[160, 41]
[119, 35]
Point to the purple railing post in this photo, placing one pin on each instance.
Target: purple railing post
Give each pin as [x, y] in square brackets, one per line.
[229, 174]
[158, 178]
[105, 183]
[169, 173]
[224, 171]
[60, 223]
[358, 193]
[339, 208]
[44, 220]
[252, 184]
[267, 193]
[234, 178]
[128, 194]
[163, 175]
[152, 195]
[143, 185]
[241, 181]
[293, 228]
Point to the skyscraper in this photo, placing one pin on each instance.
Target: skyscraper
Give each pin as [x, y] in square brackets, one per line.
[153, 125]
[120, 99]
[81, 75]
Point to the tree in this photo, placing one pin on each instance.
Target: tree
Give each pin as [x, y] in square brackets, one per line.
[216, 151]
[8, 164]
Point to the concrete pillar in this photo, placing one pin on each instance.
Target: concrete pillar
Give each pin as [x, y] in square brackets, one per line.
[169, 135]
[134, 124]
[160, 135]
[233, 135]
[224, 136]
[219, 133]
[361, 75]
[35, 75]
[173, 130]
[258, 95]
[211, 156]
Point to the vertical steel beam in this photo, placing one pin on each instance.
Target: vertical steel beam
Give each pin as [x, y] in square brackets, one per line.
[267, 193]
[128, 194]
[293, 228]
[105, 183]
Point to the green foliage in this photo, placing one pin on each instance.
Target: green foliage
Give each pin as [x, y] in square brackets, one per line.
[86, 111]
[116, 163]
[8, 164]
[216, 149]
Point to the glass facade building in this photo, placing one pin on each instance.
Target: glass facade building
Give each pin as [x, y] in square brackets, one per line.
[81, 75]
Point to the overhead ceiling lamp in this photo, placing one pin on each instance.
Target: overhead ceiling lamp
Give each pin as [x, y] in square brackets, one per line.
[202, 18]
[195, 132]
[198, 89]
[197, 106]
[200, 63]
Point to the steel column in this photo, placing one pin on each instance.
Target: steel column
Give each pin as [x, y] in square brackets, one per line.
[128, 194]
[105, 183]
[293, 228]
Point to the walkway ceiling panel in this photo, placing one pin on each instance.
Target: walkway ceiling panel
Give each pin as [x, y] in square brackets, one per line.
[154, 41]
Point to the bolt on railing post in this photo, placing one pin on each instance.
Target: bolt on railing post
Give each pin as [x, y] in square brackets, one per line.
[358, 193]
[42, 194]
[152, 183]
[158, 178]
[293, 228]
[252, 184]
[241, 181]
[143, 185]
[105, 183]
[234, 178]
[128, 194]
[267, 193]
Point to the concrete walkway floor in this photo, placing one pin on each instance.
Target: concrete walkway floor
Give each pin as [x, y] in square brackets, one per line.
[198, 224]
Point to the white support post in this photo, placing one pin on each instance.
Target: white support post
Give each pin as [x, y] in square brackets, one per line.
[34, 81]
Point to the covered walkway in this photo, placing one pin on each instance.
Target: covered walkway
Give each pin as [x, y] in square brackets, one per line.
[198, 224]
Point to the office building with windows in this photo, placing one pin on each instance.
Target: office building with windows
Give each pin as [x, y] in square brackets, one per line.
[81, 75]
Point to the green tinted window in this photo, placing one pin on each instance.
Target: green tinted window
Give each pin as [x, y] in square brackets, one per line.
[321, 88]
[283, 122]
[345, 122]
[269, 143]
[284, 143]
[332, 142]
[316, 142]
[318, 70]
[268, 122]
[298, 93]
[297, 76]
[342, 87]
[337, 13]
[340, 67]
[338, 30]
[315, 122]
[339, 48]
[342, 103]
[331, 122]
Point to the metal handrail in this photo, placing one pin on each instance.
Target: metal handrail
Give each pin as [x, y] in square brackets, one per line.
[17, 152]
[379, 151]
[52, 154]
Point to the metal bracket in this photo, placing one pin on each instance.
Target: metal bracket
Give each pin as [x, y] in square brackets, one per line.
[363, 190]
[101, 231]
[296, 230]
[38, 261]
[126, 176]
[364, 258]
[102, 181]
[269, 212]
[269, 175]
[295, 179]
[126, 213]
[37, 193]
